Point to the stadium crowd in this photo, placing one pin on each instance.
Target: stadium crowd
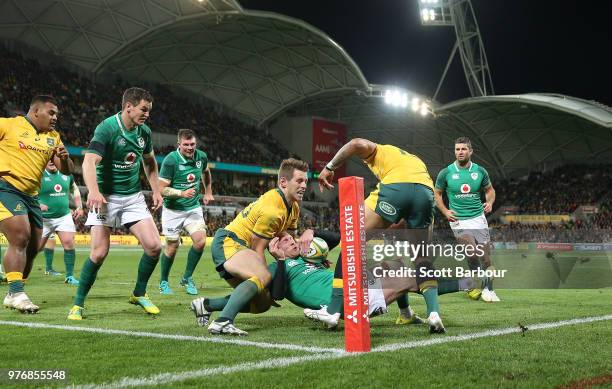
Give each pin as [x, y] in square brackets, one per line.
[559, 191]
[84, 103]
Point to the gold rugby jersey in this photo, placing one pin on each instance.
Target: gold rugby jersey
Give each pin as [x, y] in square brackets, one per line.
[24, 153]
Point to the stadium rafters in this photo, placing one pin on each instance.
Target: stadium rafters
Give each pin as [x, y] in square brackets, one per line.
[255, 63]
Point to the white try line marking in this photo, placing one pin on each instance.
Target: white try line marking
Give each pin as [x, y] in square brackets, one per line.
[209, 339]
[168, 378]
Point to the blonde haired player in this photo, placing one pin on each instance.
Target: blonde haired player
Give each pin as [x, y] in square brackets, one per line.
[238, 249]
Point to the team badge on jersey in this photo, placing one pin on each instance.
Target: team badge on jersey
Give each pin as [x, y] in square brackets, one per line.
[130, 157]
[141, 142]
[64, 178]
[474, 176]
[199, 164]
[51, 141]
[387, 208]
[465, 188]
[57, 188]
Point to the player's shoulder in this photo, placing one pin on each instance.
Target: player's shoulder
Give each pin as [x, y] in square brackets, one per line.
[444, 171]
[201, 154]
[145, 129]
[171, 157]
[109, 124]
[274, 201]
[480, 168]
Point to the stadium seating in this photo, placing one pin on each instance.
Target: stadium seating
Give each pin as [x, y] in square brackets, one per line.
[84, 103]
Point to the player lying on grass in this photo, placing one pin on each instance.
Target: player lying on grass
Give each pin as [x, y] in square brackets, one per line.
[238, 249]
[307, 282]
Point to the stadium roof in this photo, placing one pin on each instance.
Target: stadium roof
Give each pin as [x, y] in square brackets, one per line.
[256, 63]
[511, 134]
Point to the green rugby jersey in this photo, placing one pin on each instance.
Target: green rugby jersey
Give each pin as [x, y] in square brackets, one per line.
[183, 174]
[55, 191]
[121, 151]
[462, 186]
[308, 285]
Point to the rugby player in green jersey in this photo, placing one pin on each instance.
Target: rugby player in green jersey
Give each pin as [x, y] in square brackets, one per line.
[111, 169]
[463, 180]
[183, 177]
[55, 191]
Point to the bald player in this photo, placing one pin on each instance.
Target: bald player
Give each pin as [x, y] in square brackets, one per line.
[27, 143]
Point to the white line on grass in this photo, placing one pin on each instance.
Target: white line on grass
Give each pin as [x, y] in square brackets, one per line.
[167, 378]
[485, 334]
[236, 342]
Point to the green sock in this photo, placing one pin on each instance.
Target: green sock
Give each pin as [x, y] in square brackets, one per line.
[431, 299]
[240, 297]
[88, 277]
[192, 261]
[448, 286]
[69, 259]
[216, 304]
[165, 265]
[336, 304]
[15, 286]
[145, 269]
[48, 259]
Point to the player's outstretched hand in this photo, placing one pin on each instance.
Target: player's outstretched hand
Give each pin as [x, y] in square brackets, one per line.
[488, 207]
[305, 240]
[157, 201]
[325, 179]
[95, 200]
[450, 215]
[208, 197]
[188, 193]
[275, 250]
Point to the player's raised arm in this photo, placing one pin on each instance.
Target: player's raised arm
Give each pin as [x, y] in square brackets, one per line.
[360, 147]
[150, 168]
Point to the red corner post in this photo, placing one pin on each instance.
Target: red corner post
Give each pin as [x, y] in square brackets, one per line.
[354, 265]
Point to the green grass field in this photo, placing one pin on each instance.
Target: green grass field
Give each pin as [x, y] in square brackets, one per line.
[538, 358]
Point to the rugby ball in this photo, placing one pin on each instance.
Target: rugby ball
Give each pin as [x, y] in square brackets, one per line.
[318, 251]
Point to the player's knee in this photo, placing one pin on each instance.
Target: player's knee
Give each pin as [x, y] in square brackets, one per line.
[153, 250]
[98, 254]
[172, 244]
[19, 238]
[199, 244]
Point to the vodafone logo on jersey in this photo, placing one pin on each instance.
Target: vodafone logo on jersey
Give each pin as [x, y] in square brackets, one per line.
[465, 188]
[57, 188]
[191, 177]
